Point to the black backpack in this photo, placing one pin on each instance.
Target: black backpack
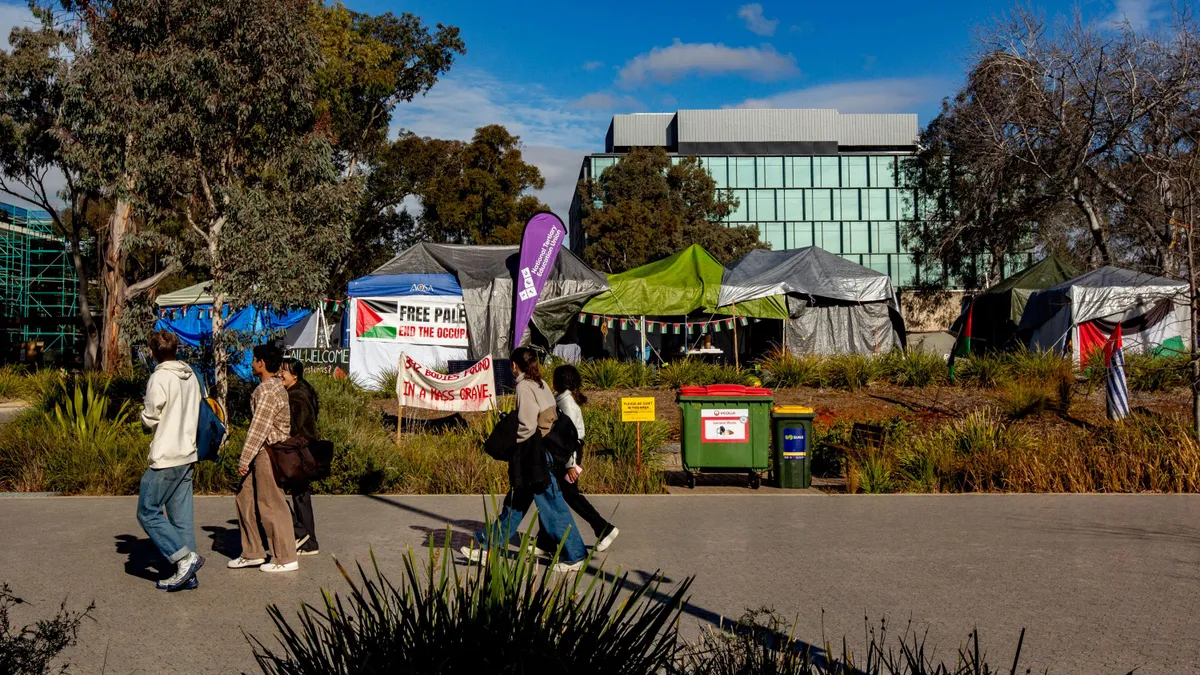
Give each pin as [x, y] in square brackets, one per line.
[563, 440]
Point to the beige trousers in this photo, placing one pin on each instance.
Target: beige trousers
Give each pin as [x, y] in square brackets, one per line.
[260, 499]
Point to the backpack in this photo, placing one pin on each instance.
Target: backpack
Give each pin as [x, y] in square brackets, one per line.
[563, 441]
[210, 431]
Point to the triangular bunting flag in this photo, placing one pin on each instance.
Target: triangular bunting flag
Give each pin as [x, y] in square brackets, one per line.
[717, 327]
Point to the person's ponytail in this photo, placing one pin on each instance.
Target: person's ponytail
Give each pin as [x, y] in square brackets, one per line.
[527, 360]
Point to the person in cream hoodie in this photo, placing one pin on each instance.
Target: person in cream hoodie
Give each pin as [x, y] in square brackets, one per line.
[172, 411]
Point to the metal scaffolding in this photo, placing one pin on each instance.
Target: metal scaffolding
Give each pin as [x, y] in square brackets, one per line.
[38, 311]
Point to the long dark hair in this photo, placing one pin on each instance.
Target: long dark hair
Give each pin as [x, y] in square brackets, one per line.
[527, 360]
[566, 377]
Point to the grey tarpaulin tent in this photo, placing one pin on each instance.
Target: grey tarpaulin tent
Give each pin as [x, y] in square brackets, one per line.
[486, 275]
[836, 306]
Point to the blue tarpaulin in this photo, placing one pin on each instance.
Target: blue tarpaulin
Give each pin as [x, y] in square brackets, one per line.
[404, 284]
[194, 322]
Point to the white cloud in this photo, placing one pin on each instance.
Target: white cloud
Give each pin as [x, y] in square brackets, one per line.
[557, 133]
[592, 65]
[602, 100]
[866, 96]
[664, 64]
[1138, 13]
[756, 23]
[12, 16]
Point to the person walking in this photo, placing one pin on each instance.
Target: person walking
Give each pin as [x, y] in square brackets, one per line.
[568, 385]
[171, 410]
[530, 479]
[304, 406]
[259, 498]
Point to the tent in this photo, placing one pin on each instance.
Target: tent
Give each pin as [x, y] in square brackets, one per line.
[1077, 317]
[447, 302]
[996, 312]
[188, 313]
[834, 306]
[682, 290]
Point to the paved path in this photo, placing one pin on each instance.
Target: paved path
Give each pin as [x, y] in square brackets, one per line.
[1104, 584]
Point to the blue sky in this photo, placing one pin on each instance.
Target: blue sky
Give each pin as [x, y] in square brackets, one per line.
[555, 72]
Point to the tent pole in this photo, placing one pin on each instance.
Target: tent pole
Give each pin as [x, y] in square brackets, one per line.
[642, 324]
[736, 362]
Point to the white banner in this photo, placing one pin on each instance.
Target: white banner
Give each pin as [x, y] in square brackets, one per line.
[417, 320]
[472, 390]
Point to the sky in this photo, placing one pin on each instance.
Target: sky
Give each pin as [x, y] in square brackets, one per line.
[554, 73]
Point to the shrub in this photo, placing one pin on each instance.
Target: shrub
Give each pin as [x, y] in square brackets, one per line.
[1040, 366]
[12, 383]
[875, 474]
[1024, 398]
[604, 374]
[982, 370]
[730, 374]
[1157, 373]
[640, 375]
[783, 369]
[912, 368]
[849, 371]
[685, 372]
[32, 649]
[384, 384]
[502, 616]
[606, 432]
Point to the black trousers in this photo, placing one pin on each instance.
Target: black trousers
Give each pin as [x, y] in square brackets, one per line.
[302, 518]
[522, 499]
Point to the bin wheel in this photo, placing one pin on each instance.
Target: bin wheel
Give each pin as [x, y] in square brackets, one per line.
[755, 480]
[691, 480]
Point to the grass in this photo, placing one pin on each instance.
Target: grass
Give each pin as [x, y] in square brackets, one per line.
[1157, 373]
[912, 368]
[849, 372]
[1024, 398]
[501, 617]
[605, 374]
[783, 369]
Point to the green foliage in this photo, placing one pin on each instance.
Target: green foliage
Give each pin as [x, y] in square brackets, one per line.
[1024, 398]
[641, 375]
[604, 374]
[875, 475]
[912, 368]
[646, 208]
[982, 370]
[32, 650]
[606, 432]
[84, 415]
[849, 371]
[384, 384]
[502, 616]
[783, 369]
[758, 645]
[1157, 373]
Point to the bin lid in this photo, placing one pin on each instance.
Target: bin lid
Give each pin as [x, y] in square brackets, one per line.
[792, 409]
[724, 390]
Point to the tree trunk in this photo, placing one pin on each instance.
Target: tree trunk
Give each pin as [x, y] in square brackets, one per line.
[113, 354]
[1095, 224]
[220, 351]
[91, 351]
[1194, 316]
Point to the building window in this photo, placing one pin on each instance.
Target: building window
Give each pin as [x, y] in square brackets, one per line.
[820, 204]
[849, 205]
[879, 263]
[859, 236]
[718, 168]
[741, 172]
[825, 173]
[854, 169]
[883, 172]
[791, 205]
[770, 172]
[743, 209]
[876, 207]
[772, 233]
[801, 172]
[765, 207]
[886, 238]
[799, 235]
[829, 236]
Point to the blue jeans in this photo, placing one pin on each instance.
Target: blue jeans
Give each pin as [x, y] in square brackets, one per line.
[552, 511]
[173, 533]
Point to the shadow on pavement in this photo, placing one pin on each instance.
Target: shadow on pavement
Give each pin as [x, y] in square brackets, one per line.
[225, 540]
[145, 562]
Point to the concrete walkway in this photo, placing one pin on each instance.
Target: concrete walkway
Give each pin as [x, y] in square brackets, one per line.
[1104, 584]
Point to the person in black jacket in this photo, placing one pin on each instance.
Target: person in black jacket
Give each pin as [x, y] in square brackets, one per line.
[304, 404]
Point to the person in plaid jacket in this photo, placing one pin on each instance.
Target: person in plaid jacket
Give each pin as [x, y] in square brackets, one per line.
[259, 498]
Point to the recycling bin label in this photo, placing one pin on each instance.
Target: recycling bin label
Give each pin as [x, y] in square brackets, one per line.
[725, 425]
[795, 444]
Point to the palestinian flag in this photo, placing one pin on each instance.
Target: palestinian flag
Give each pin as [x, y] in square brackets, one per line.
[376, 320]
[963, 344]
[624, 324]
[677, 329]
[717, 326]
[595, 319]
[583, 318]
[744, 320]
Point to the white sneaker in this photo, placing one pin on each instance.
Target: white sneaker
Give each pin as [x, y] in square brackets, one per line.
[239, 563]
[537, 551]
[608, 540]
[562, 567]
[303, 540]
[473, 554]
[307, 551]
[276, 567]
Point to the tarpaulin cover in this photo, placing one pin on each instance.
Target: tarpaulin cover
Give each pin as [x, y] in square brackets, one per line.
[485, 274]
[809, 271]
[405, 284]
[197, 294]
[1052, 317]
[997, 310]
[676, 286]
[191, 327]
[835, 306]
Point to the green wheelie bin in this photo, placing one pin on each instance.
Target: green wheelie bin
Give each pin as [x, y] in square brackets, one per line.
[726, 429]
[792, 456]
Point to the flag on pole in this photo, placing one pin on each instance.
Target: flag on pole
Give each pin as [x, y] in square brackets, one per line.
[1116, 390]
[963, 343]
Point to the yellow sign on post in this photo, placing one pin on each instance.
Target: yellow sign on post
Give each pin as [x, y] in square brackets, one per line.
[637, 409]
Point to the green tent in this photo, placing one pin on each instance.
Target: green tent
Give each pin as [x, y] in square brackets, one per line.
[687, 282]
[996, 312]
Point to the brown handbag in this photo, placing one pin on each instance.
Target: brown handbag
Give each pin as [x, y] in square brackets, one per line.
[292, 462]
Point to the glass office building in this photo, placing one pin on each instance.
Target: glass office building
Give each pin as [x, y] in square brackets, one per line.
[801, 177]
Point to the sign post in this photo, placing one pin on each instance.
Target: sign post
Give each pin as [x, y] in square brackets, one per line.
[638, 410]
